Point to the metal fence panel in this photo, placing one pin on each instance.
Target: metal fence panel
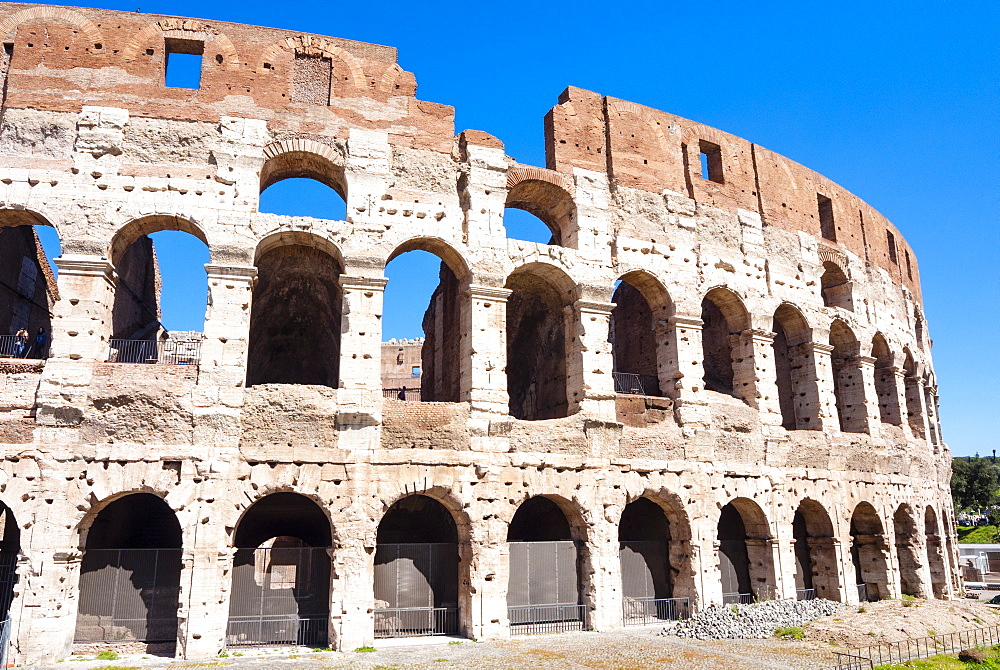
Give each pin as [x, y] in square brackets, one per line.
[538, 619]
[129, 595]
[280, 596]
[922, 647]
[163, 352]
[645, 611]
[645, 569]
[543, 593]
[416, 589]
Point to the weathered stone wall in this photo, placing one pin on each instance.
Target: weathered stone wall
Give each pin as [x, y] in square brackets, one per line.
[93, 144]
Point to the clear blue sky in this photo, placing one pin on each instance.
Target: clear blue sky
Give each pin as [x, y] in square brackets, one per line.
[896, 101]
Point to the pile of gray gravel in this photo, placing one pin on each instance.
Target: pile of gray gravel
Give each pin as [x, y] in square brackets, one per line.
[756, 621]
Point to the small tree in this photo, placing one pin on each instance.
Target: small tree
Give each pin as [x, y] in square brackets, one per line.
[974, 482]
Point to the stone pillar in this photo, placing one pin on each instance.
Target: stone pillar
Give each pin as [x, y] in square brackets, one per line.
[484, 349]
[916, 409]
[828, 568]
[891, 398]
[711, 574]
[681, 371]
[484, 187]
[359, 397]
[488, 574]
[589, 384]
[206, 587]
[227, 325]
[81, 326]
[589, 232]
[352, 596]
[868, 412]
[755, 376]
[48, 584]
[604, 604]
[784, 564]
[767, 574]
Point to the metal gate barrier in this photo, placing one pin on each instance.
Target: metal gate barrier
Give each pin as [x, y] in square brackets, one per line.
[543, 593]
[128, 595]
[416, 589]
[280, 596]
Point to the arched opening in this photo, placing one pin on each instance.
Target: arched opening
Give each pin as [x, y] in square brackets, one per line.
[794, 373]
[908, 552]
[885, 382]
[130, 574]
[935, 554]
[848, 384]
[416, 570]
[724, 318]
[745, 560]
[914, 391]
[157, 316]
[544, 588]
[280, 591]
[815, 556]
[644, 543]
[422, 323]
[640, 303]
[548, 207]
[296, 315]
[835, 287]
[303, 183]
[869, 554]
[10, 548]
[28, 288]
[536, 343]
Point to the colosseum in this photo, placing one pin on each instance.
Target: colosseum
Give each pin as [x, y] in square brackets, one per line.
[712, 385]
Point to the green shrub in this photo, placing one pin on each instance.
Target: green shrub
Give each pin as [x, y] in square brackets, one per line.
[790, 633]
[107, 655]
[365, 649]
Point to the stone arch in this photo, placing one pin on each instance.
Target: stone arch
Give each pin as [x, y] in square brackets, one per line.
[537, 342]
[836, 288]
[641, 340]
[886, 392]
[547, 195]
[449, 255]
[186, 29]
[913, 390]
[313, 45]
[304, 158]
[397, 81]
[644, 115]
[27, 302]
[90, 30]
[936, 560]
[848, 382]
[724, 319]
[869, 553]
[817, 573]
[130, 571]
[297, 307]
[140, 226]
[795, 378]
[909, 552]
[746, 561]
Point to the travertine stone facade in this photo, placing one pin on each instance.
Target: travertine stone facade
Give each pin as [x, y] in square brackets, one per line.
[783, 328]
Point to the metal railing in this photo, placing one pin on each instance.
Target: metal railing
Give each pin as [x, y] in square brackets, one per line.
[863, 596]
[645, 611]
[409, 394]
[632, 384]
[5, 627]
[737, 599]
[254, 631]
[415, 621]
[805, 594]
[162, 352]
[538, 619]
[11, 346]
[921, 647]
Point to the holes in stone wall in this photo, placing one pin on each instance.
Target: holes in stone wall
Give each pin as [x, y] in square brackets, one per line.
[828, 228]
[710, 156]
[890, 241]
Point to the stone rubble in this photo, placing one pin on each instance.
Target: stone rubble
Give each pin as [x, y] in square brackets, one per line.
[755, 621]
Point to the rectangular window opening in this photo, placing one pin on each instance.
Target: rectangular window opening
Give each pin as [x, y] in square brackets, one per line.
[415, 371]
[891, 241]
[909, 268]
[826, 225]
[711, 161]
[183, 64]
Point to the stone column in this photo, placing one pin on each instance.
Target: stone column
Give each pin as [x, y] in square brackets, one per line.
[680, 368]
[352, 594]
[590, 386]
[916, 409]
[359, 398]
[824, 397]
[484, 349]
[755, 376]
[488, 575]
[711, 574]
[891, 395]
[605, 593]
[767, 576]
[868, 412]
[81, 326]
[206, 588]
[227, 325]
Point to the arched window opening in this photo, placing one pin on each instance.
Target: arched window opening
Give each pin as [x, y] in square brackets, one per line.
[161, 294]
[815, 555]
[634, 346]
[745, 563]
[421, 326]
[848, 384]
[908, 552]
[885, 382]
[28, 290]
[536, 347]
[794, 373]
[835, 287]
[281, 575]
[416, 570]
[914, 401]
[10, 548]
[723, 320]
[931, 405]
[130, 574]
[644, 543]
[546, 204]
[544, 588]
[935, 554]
[300, 196]
[296, 317]
[868, 554]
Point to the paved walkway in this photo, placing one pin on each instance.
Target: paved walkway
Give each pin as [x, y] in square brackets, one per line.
[637, 649]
